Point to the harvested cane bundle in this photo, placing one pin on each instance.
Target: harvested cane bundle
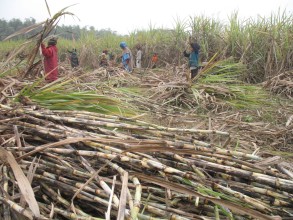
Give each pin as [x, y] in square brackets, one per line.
[88, 164]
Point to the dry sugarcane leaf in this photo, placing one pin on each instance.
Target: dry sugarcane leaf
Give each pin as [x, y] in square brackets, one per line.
[23, 183]
[30, 176]
[25, 30]
[179, 188]
[123, 196]
[48, 8]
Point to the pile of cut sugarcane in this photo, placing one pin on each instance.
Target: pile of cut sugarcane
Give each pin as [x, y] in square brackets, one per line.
[281, 84]
[82, 165]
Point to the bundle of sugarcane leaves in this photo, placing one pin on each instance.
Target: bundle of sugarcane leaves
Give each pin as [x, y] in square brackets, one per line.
[82, 165]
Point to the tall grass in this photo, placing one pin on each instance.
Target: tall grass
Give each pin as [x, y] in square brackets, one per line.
[264, 44]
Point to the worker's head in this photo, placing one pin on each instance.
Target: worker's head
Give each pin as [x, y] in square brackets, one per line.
[123, 45]
[105, 51]
[195, 47]
[52, 41]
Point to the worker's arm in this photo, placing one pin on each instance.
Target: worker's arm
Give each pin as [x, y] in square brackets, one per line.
[186, 54]
[47, 52]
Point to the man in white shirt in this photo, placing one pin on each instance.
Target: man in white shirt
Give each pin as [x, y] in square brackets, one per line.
[138, 57]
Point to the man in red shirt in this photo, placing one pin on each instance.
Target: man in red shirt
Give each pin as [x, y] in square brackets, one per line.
[50, 54]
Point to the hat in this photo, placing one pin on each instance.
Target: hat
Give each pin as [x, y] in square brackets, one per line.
[52, 41]
[123, 45]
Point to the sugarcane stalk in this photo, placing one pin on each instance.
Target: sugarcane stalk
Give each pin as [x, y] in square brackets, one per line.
[145, 162]
[283, 184]
[96, 145]
[74, 216]
[217, 215]
[107, 214]
[46, 199]
[6, 211]
[137, 199]
[135, 127]
[173, 210]
[226, 160]
[76, 184]
[52, 133]
[161, 213]
[55, 195]
[67, 187]
[67, 170]
[121, 172]
[263, 191]
[188, 163]
[184, 148]
[145, 217]
[22, 211]
[253, 202]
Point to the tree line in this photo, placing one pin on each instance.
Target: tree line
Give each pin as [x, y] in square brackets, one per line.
[68, 32]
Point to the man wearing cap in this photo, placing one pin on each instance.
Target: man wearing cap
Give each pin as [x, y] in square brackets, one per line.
[50, 54]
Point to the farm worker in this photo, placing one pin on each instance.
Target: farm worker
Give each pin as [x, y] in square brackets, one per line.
[50, 60]
[112, 58]
[154, 60]
[73, 58]
[138, 57]
[127, 59]
[104, 58]
[193, 60]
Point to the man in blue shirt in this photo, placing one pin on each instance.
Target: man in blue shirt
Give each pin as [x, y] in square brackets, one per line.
[127, 59]
[193, 59]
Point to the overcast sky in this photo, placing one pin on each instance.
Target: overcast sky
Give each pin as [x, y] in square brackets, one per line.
[126, 16]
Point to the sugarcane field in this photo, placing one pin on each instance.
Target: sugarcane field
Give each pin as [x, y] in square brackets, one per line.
[194, 122]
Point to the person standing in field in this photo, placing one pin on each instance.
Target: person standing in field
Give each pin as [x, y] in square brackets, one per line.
[112, 58]
[104, 58]
[127, 59]
[193, 60]
[138, 57]
[73, 58]
[154, 60]
[50, 54]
